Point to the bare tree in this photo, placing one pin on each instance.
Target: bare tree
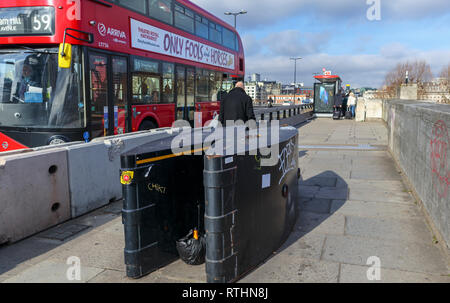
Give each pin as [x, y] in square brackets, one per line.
[445, 78]
[419, 72]
[445, 73]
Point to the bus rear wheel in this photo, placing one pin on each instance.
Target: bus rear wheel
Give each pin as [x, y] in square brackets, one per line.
[147, 124]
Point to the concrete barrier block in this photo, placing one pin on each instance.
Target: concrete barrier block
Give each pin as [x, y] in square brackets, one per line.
[94, 169]
[34, 193]
[45, 147]
[360, 112]
[90, 176]
[374, 109]
[15, 152]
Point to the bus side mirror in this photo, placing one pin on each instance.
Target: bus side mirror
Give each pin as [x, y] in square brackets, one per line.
[65, 55]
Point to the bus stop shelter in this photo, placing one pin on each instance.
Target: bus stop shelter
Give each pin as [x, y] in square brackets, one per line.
[325, 92]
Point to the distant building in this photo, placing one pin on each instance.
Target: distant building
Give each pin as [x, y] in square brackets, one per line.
[371, 94]
[289, 90]
[280, 99]
[307, 91]
[255, 78]
[438, 90]
[253, 90]
[268, 88]
[259, 91]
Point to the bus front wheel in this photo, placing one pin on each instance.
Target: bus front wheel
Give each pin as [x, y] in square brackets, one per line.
[147, 124]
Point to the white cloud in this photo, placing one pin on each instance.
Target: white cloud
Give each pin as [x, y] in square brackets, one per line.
[294, 42]
[395, 50]
[268, 48]
[407, 9]
[269, 12]
[251, 44]
[357, 70]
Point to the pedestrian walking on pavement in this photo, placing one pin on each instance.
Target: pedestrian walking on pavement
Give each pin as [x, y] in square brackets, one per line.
[236, 105]
[351, 103]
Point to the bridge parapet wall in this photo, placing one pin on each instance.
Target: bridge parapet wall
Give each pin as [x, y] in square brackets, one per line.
[419, 141]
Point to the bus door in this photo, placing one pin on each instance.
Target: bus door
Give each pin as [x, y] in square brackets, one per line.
[108, 79]
[185, 80]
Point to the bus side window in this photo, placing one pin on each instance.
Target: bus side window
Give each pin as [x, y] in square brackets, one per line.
[139, 89]
[215, 85]
[168, 83]
[146, 88]
[161, 10]
[202, 85]
[146, 81]
[227, 83]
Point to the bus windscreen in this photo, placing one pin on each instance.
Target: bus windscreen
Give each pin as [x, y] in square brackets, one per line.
[34, 92]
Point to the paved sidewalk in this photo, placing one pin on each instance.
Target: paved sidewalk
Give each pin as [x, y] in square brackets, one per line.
[353, 205]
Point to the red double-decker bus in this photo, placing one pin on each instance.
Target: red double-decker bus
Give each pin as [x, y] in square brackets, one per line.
[74, 70]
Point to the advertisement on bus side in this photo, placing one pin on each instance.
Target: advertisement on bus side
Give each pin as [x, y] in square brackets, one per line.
[150, 38]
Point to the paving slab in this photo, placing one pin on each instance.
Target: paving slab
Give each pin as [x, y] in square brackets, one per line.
[52, 272]
[64, 232]
[320, 223]
[313, 172]
[409, 230]
[178, 270]
[99, 219]
[375, 209]
[30, 251]
[329, 164]
[14, 270]
[102, 249]
[112, 276]
[320, 181]
[379, 191]
[408, 256]
[374, 173]
[332, 193]
[306, 191]
[285, 269]
[329, 155]
[321, 206]
[370, 160]
[358, 274]
[303, 245]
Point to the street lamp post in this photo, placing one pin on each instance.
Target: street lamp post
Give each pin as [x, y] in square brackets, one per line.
[235, 14]
[295, 73]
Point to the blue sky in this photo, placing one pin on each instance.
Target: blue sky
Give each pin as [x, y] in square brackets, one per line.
[338, 35]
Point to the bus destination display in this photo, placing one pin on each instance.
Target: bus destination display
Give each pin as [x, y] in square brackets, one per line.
[26, 21]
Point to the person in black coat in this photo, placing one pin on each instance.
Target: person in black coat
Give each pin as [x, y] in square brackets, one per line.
[338, 101]
[236, 105]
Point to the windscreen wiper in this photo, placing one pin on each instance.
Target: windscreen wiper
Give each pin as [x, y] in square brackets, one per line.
[8, 52]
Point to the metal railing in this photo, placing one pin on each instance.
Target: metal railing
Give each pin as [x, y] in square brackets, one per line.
[281, 112]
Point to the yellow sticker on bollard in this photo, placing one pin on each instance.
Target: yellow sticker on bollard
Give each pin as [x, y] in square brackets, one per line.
[126, 177]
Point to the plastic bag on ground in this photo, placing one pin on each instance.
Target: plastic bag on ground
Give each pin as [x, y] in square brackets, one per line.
[192, 251]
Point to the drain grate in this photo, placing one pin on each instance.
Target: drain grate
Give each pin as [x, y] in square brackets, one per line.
[63, 232]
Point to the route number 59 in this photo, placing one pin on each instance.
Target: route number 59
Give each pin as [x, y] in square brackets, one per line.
[41, 22]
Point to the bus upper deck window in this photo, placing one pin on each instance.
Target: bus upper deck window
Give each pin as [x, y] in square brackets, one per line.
[137, 5]
[161, 10]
